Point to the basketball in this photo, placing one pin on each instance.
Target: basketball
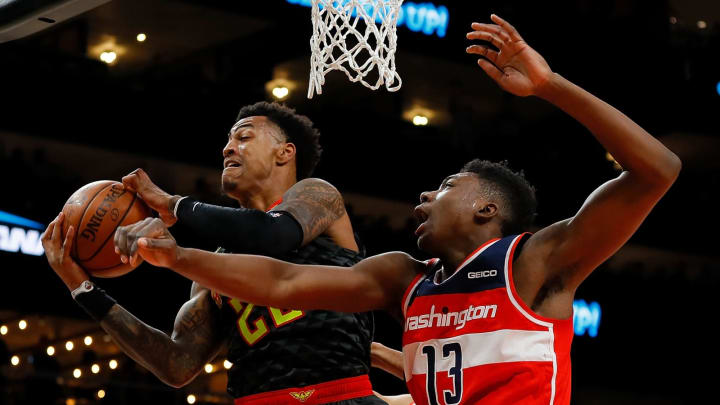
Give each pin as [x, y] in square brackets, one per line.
[95, 211]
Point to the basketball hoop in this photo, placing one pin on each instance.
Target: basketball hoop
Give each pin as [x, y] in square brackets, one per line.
[339, 42]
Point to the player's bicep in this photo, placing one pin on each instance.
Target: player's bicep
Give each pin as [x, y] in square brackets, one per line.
[607, 219]
[315, 204]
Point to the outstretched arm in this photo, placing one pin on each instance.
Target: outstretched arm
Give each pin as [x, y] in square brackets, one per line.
[374, 283]
[176, 360]
[571, 249]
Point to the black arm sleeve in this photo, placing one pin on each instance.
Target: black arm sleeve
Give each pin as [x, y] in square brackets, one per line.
[241, 230]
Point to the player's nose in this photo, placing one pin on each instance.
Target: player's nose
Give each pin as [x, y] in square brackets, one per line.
[229, 150]
[427, 196]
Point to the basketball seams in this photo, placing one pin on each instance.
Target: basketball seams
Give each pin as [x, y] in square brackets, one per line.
[82, 217]
[112, 233]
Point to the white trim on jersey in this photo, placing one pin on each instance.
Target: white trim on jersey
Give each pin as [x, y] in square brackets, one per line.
[464, 263]
[501, 346]
[410, 294]
[531, 318]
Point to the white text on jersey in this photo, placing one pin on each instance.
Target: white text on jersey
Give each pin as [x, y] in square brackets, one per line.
[482, 274]
[457, 319]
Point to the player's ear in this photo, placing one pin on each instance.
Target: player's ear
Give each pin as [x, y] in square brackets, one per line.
[285, 153]
[485, 211]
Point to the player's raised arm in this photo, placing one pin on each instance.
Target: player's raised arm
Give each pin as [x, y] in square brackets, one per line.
[374, 283]
[176, 360]
[571, 249]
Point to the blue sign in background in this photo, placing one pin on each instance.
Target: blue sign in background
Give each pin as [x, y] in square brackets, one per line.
[586, 318]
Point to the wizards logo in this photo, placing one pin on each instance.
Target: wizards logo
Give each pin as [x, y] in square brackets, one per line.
[18, 234]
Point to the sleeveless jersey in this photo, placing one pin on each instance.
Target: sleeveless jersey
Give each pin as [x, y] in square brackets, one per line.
[275, 349]
[471, 340]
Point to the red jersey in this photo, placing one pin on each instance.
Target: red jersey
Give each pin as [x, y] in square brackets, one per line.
[470, 339]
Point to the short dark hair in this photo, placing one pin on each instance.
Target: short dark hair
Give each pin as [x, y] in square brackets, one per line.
[297, 128]
[517, 193]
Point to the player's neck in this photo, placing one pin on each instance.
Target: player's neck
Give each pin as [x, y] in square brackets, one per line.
[265, 193]
[459, 250]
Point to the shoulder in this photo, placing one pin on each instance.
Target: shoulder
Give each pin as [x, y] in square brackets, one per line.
[541, 245]
[313, 185]
[314, 197]
[196, 290]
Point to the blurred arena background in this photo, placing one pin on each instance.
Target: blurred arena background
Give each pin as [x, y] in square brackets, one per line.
[86, 100]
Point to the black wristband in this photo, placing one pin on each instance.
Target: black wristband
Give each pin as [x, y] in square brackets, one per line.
[96, 302]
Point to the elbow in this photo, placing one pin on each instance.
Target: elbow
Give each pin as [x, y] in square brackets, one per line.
[670, 169]
[177, 381]
[675, 165]
[663, 172]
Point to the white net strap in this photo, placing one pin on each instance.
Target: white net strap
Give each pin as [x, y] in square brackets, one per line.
[338, 44]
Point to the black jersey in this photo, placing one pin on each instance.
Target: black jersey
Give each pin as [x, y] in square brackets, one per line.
[274, 349]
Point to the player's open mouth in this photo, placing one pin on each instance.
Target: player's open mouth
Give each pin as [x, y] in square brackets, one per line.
[421, 216]
[420, 229]
[231, 163]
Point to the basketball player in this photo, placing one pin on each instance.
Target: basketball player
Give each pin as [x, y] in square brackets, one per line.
[279, 356]
[490, 320]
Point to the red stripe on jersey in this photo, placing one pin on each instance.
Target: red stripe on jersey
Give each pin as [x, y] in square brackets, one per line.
[483, 345]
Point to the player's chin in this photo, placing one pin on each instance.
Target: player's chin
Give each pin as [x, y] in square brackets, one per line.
[227, 185]
[424, 242]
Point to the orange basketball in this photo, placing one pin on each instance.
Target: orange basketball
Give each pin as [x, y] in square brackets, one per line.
[95, 211]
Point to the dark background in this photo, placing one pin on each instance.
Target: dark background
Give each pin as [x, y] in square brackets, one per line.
[173, 99]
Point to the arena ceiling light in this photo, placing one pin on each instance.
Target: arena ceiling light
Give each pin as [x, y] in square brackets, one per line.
[419, 116]
[420, 120]
[141, 37]
[280, 88]
[108, 57]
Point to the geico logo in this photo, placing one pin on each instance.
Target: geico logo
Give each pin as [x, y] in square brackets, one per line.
[482, 274]
[18, 239]
[457, 319]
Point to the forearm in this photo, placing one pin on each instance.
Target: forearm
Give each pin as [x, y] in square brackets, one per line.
[151, 348]
[241, 230]
[387, 359]
[633, 148]
[249, 278]
[270, 282]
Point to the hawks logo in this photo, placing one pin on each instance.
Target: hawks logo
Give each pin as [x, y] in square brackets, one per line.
[302, 396]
